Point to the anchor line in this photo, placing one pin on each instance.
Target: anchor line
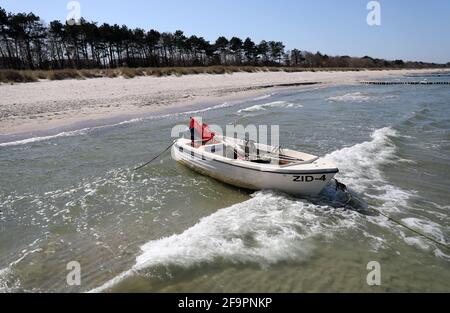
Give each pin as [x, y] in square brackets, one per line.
[157, 156]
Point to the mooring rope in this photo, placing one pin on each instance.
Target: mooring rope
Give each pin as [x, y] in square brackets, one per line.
[343, 187]
[160, 154]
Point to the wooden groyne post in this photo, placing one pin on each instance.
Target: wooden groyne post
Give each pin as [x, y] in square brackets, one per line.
[406, 83]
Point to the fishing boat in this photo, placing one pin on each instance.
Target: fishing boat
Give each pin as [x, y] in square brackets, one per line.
[254, 166]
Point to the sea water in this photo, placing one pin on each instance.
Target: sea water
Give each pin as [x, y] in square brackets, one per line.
[73, 196]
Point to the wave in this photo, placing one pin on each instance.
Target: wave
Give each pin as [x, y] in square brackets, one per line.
[267, 229]
[359, 97]
[351, 97]
[44, 138]
[360, 164]
[360, 168]
[276, 104]
[79, 132]
[7, 281]
[219, 106]
[263, 97]
[429, 228]
[4, 273]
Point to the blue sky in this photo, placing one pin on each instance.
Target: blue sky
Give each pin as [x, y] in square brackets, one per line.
[410, 30]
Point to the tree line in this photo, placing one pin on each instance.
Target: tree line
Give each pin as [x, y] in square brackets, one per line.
[27, 42]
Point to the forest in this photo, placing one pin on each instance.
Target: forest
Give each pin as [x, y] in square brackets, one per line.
[29, 43]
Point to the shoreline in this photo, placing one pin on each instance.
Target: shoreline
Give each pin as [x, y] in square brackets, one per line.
[46, 107]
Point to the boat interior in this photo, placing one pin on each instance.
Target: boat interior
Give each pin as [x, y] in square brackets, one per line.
[250, 151]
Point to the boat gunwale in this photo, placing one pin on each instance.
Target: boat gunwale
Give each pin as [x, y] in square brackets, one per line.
[250, 166]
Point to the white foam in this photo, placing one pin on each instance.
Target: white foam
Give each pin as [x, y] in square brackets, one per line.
[73, 133]
[442, 255]
[111, 283]
[427, 227]
[264, 230]
[269, 223]
[265, 106]
[263, 97]
[359, 164]
[360, 168]
[3, 279]
[44, 138]
[351, 97]
[7, 271]
[215, 107]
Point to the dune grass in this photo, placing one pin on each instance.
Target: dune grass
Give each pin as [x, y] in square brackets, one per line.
[27, 76]
[13, 76]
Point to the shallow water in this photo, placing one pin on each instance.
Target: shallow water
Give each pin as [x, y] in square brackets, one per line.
[74, 197]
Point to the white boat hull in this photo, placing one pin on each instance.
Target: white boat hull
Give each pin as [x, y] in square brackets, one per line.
[300, 182]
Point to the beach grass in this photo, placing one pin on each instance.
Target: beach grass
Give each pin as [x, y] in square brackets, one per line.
[27, 76]
[13, 76]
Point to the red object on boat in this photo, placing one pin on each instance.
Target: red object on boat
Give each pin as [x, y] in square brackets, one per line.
[202, 129]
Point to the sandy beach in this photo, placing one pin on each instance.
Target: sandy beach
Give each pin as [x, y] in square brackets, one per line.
[46, 105]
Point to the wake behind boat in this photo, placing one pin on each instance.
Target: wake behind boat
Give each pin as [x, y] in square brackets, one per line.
[251, 165]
